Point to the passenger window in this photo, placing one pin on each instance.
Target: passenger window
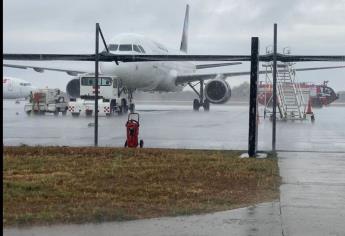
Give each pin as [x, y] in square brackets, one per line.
[141, 48]
[126, 47]
[136, 48]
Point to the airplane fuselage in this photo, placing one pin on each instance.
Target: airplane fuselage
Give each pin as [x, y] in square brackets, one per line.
[145, 76]
[14, 88]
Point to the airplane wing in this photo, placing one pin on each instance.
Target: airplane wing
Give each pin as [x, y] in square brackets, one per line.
[76, 72]
[42, 69]
[187, 78]
[206, 66]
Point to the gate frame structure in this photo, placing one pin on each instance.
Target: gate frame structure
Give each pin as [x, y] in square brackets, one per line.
[255, 58]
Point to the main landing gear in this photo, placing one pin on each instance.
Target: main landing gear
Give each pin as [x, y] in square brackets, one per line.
[201, 102]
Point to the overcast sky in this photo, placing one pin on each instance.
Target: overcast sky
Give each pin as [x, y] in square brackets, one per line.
[216, 27]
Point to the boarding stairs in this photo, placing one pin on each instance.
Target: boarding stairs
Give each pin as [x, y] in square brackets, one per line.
[290, 100]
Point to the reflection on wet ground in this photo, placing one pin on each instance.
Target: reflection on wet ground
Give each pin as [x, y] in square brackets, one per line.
[312, 166]
[177, 126]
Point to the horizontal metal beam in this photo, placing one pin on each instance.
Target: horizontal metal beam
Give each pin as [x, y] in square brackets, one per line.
[105, 56]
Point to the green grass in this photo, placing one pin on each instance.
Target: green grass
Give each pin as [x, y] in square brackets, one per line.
[46, 185]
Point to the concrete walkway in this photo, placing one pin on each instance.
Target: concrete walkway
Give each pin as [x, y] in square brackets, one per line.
[263, 219]
[312, 193]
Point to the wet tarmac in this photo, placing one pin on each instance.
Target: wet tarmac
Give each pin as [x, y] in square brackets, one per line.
[177, 126]
[312, 198]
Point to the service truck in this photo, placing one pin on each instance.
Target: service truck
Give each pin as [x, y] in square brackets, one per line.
[43, 101]
[111, 99]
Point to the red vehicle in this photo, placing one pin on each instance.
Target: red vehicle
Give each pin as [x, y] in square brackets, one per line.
[319, 95]
[132, 127]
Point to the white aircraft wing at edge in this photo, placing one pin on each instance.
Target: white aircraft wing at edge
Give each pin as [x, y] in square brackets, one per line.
[187, 78]
[42, 69]
[181, 79]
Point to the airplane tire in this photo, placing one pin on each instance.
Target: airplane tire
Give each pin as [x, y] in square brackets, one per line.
[124, 105]
[75, 114]
[196, 105]
[132, 107]
[120, 111]
[206, 105]
[88, 113]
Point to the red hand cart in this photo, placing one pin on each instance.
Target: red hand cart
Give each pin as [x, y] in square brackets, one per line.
[132, 127]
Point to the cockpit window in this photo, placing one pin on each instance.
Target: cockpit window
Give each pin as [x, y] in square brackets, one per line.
[141, 48]
[136, 48]
[113, 47]
[125, 47]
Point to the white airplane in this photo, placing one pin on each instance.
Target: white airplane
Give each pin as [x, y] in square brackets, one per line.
[14, 88]
[147, 65]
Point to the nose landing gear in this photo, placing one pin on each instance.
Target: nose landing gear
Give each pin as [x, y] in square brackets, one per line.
[124, 102]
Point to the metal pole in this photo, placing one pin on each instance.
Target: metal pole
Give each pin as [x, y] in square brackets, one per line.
[96, 84]
[254, 73]
[274, 94]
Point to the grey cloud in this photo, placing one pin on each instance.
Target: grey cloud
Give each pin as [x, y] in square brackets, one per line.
[217, 26]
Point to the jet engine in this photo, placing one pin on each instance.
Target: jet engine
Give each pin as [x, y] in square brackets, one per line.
[73, 88]
[218, 91]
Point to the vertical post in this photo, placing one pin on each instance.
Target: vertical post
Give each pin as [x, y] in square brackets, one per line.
[254, 73]
[96, 84]
[274, 94]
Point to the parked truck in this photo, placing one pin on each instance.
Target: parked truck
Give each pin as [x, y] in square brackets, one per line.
[111, 97]
[43, 101]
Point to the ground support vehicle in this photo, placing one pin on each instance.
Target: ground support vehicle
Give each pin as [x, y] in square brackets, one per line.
[43, 101]
[111, 98]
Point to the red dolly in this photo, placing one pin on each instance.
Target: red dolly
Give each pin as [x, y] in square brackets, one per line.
[132, 126]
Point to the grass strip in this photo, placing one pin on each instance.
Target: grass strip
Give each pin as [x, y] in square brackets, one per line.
[48, 185]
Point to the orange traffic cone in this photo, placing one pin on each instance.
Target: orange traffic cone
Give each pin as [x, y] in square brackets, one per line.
[309, 111]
